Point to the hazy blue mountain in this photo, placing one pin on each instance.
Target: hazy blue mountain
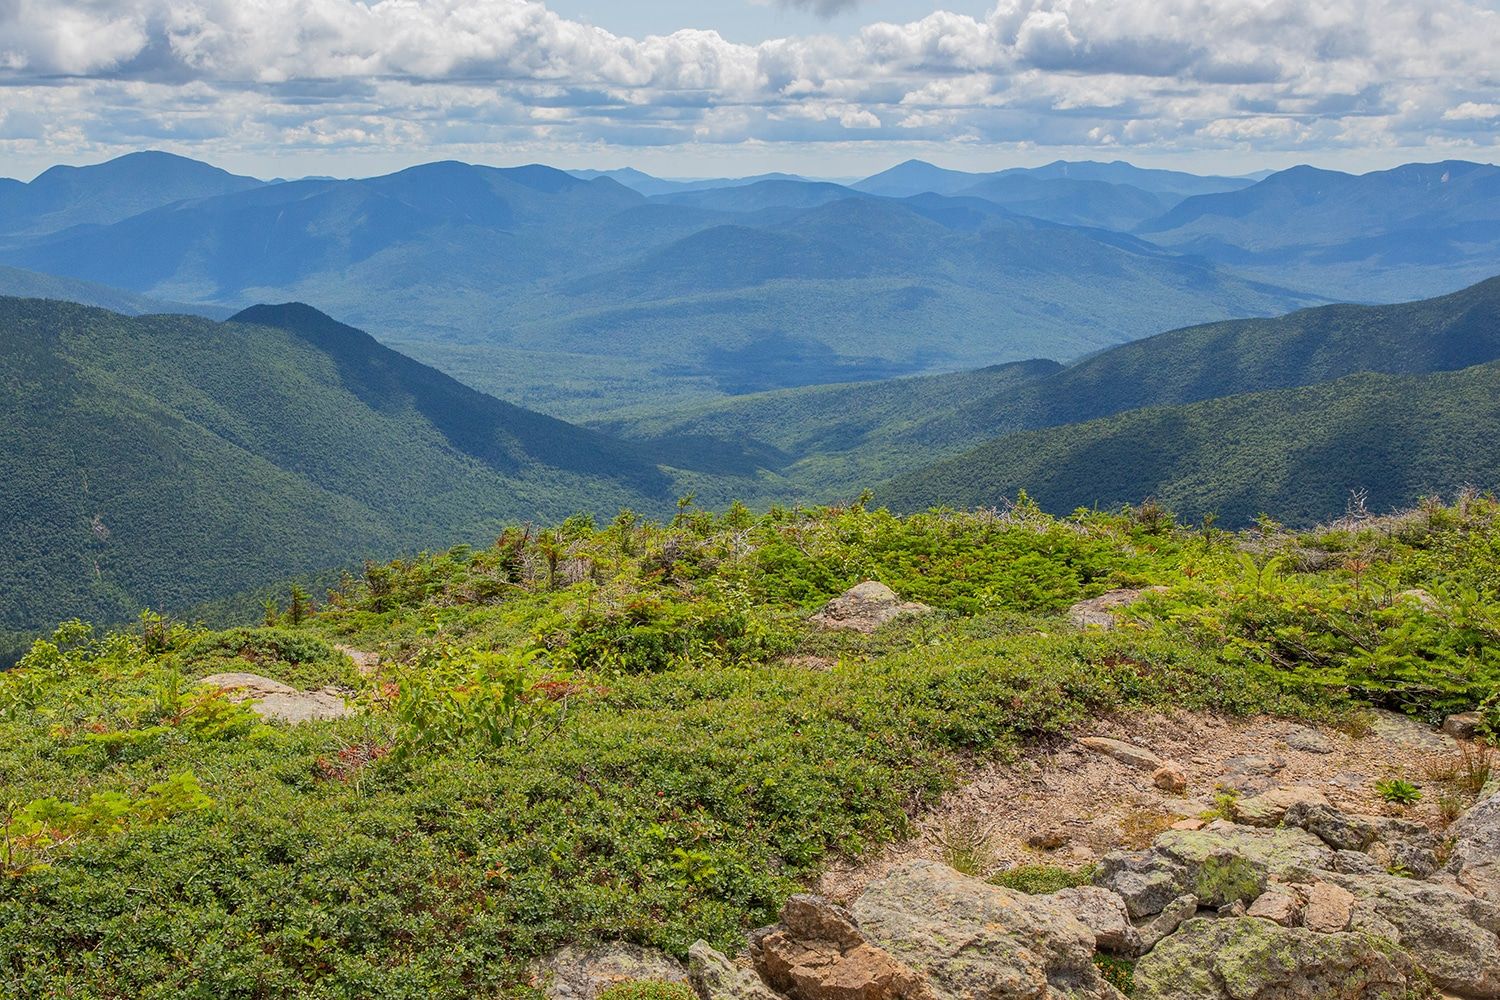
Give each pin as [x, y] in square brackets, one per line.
[1418, 229]
[650, 186]
[583, 296]
[108, 192]
[762, 195]
[1108, 195]
[830, 440]
[163, 460]
[1298, 452]
[17, 283]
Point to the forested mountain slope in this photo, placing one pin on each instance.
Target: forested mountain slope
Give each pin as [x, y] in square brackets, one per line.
[1300, 453]
[163, 460]
[833, 439]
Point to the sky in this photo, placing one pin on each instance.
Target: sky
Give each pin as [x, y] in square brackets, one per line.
[691, 88]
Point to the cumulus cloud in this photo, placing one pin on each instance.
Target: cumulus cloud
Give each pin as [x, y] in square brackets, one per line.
[1162, 74]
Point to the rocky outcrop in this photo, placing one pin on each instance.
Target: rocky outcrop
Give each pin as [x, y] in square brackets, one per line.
[1219, 864]
[714, 977]
[1269, 808]
[865, 607]
[818, 953]
[1102, 612]
[1104, 913]
[280, 702]
[1126, 753]
[1253, 959]
[580, 973]
[1475, 855]
[1454, 936]
[976, 941]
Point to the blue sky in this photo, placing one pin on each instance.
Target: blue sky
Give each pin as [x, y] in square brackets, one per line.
[732, 87]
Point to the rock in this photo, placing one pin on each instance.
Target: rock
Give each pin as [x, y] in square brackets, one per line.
[976, 941]
[1453, 935]
[714, 977]
[1420, 597]
[818, 953]
[1475, 856]
[1125, 753]
[1254, 959]
[278, 701]
[1269, 808]
[1165, 923]
[1356, 863]
[1146, 881]
[864, 608]
[1280, 904]
[1232, 910]
[1336, 829]
[1307, 740]
[1170, 777]
[1328, 908]
[1401, 845]
[1100, 612]
[1252, 773]
[577, 973]
[1188, 824]
[1408, 732]
[1218, 864]
[1104, 913]
[1047, 840]
[1463, 725]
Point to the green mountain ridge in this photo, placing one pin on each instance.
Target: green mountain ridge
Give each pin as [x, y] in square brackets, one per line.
[1298, 453]
[831, 441]
[166, 460]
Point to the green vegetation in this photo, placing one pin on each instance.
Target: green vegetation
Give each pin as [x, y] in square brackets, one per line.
[611, 731]
[167, 460]
[1039, 880]
[835, 440]
[1398, 791]
[1299, 452]
[648, 989]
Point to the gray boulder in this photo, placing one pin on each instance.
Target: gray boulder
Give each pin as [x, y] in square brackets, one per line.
[582, 973]
[714, 977]
[1248, 958]
[976, 941]
[273, 700]
[1454, 936]
[1475, 859]
[865, 607]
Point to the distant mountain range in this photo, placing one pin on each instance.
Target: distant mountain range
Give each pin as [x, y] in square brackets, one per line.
[506, 277]
[833, 441]
[164, 460]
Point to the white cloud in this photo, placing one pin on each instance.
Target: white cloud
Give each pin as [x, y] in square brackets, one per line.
[1161, 74]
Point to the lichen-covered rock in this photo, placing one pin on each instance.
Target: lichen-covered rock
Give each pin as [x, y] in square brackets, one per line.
[817, 952]
[1475, 858]
[1248, 958]
[714, 977]
[1337, 829]
[865, 607]
[580, 973]
[1269, 808]
[1219, 864]
[1454, 936]
[1172, 916]
[1102, 612]
[976, 941]
[1104, 913]
[1463, 725]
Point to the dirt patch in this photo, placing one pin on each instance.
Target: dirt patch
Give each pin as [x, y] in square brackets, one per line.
[1068, 805]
